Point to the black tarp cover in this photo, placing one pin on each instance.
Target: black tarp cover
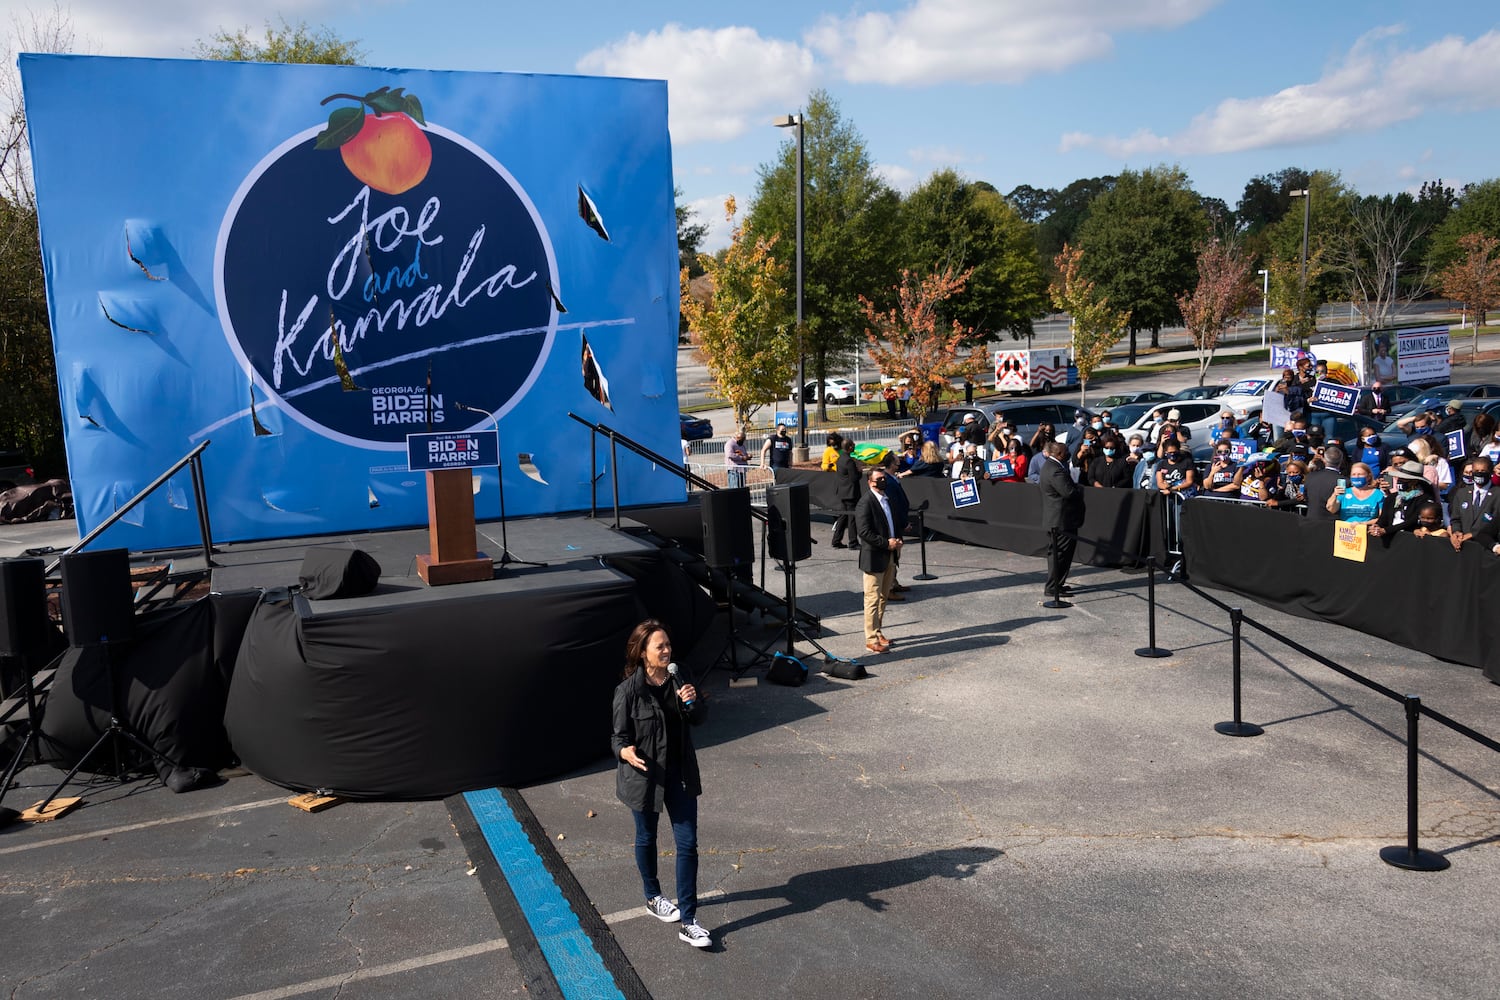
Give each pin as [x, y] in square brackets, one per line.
[171, 684]
[1415, 592]
[1119, 525]
[428, 699]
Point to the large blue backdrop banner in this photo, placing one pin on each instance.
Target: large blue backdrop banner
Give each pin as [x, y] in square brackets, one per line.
[305, 264]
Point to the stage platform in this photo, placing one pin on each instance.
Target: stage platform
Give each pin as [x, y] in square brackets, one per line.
[408, 691]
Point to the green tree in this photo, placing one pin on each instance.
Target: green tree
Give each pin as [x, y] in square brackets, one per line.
[1096, 324]
[1330, 218]
[1138, 244]
[744, 330]
[849, 228]
[690, 234]
[953, 226]
[1067, 210]
[1294, 302]
[1477, 211]
[283, 43]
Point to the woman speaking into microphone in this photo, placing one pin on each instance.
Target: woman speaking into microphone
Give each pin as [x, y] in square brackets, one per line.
[659, 767]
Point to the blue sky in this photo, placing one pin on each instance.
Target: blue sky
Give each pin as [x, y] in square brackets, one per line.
[1038, 92]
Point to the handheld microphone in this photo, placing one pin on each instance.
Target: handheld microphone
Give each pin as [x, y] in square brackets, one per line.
[677, 684]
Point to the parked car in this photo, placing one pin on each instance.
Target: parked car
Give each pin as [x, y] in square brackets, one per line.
[1124, 416]
[695, 428]
[1197, 415]
[1025, 414]
[1436, 397]
[1393, 435]
[1125, 398]
[1199, 392]
[15, 470]
[838, 390]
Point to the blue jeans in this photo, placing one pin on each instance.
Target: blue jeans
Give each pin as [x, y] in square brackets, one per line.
[682, 808]
[734, 476]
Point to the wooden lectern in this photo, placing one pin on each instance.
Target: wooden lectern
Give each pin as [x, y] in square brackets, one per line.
[450, 532]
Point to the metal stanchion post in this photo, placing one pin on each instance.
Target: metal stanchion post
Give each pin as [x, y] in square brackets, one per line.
[1238, 727]
[1151, 649]
[1411, 857]
[922, 544]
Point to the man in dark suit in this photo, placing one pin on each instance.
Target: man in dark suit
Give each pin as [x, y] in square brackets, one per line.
[1474, 508]
[847, 491]
[900, 514]
[1062, 515]
[1321, 484]
[879, 541]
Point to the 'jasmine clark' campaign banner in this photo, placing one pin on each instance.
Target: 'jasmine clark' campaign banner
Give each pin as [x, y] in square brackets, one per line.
[306, 264]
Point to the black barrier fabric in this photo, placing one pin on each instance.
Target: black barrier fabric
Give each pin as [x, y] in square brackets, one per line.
[1119, 526]
[1415, 592]
[430, 699]
[171, 684]
[669, 595]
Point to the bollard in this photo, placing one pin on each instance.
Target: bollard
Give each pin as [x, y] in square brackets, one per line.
[922, 542]
[1411, 857]
[1238, 727]
[1151, 649]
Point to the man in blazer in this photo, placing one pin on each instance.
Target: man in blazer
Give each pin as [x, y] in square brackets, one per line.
[1474, 509]
[879, 541]
[1062, 515]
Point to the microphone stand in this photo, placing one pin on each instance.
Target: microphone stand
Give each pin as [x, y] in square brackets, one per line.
[505, 557]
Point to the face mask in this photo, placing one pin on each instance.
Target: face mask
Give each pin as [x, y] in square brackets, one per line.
[1299, 434]
[1135, 449]
[1295, 477]
[1109, 420]
[1172, 456]
[1109, 453]
[1098, 425]
[1423, 431]
[1372, 441]
[1469, 480]
[1222, 456]
[1359, 481]
[1430, 525]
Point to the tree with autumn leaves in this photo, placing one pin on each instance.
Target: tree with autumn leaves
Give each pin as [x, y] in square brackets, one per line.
[1096, 324]
[912, 342]
[1216, 303]
[743, 328]
[1474, 278]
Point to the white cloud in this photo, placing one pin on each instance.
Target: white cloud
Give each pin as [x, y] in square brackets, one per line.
[901, 178]
[720, 82]
[1004, 41]
[170, 28]
[1375, 85]
[709, 211]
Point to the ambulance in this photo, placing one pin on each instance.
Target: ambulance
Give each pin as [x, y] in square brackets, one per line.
[1034, 370]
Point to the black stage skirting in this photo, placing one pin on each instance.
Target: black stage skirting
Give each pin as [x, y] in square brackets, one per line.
[1120, 526]
[1416, 592]
[408, 692]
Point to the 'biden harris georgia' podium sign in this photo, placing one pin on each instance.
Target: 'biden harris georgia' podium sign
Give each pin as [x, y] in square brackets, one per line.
[306, 264]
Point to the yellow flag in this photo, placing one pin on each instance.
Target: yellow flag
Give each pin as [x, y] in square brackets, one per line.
[1349, 540]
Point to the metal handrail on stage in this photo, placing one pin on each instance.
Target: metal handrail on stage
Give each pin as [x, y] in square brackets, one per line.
[1409, 856]
[200, 498]
[616, 438]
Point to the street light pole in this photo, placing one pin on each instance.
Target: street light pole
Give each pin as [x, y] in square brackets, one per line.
[795, 121]
[1265, 301]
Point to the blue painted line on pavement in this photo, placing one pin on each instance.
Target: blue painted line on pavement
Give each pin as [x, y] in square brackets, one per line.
[575, 963]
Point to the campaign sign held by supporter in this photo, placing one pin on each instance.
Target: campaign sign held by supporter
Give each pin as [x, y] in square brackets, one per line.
[965, 493]
[999, 468]
[1349, 540]
[1455, 441]
[303, 264]
[1240, 449]
[1335, 396]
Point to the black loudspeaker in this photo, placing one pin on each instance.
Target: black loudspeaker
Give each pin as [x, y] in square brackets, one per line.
[790, 536]
[329, 572]
[98, 601]
[727, 540]
[23, 607]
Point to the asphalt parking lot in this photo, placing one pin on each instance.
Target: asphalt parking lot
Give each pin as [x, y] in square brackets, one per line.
[1013, 804]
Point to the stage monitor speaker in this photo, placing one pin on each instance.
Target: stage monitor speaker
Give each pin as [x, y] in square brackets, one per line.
[790, 536]
[728, 542]
[98, 601]
[23, 607]
[331, 572]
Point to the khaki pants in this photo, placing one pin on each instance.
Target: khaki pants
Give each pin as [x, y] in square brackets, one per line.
[877, 589]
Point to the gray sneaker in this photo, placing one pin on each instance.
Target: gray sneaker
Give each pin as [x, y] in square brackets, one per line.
[694, 934]
[663, 909]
